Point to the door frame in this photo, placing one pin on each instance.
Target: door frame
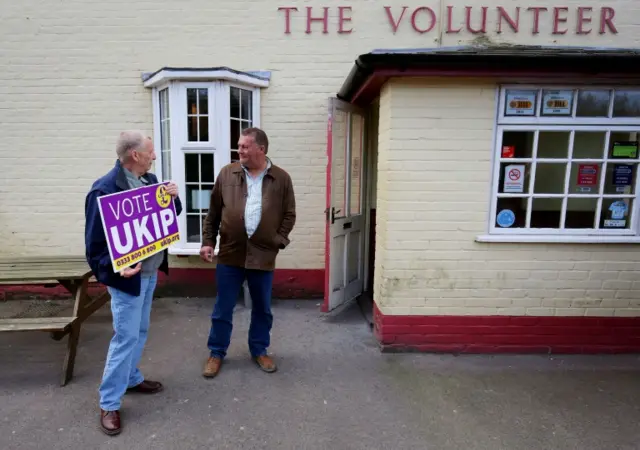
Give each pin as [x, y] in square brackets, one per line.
[364, 196]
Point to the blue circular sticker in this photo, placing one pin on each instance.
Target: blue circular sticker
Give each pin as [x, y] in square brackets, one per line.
[506, 218]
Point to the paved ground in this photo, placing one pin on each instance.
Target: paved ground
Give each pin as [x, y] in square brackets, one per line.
[334, 391]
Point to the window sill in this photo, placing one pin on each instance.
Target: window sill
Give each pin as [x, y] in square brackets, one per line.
[549, 239]
[178, 251]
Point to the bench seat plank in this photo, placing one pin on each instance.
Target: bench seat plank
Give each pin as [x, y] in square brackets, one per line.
[37, 324]
[33, 269]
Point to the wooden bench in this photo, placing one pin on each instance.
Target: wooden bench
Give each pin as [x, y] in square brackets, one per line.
[71, 272]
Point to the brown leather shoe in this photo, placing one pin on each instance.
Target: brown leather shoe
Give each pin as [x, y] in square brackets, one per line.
[266, 363]
[110, 422]
[212, 367]
[147, 387]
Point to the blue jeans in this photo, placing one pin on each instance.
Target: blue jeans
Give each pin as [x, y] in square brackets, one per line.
[229, 280]
[131, 317]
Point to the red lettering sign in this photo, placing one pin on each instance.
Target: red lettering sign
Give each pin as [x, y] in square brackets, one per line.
[473, 20]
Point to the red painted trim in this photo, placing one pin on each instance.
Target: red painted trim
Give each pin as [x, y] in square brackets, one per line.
[287, 284]
[370, 89]
[507, 334]
[327, 230]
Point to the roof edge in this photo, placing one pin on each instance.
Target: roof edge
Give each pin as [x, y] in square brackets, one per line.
[503, 57]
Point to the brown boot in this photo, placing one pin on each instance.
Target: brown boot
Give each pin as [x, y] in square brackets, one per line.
[110, 422]
[147, 387]
[266, 363]
[212, 367]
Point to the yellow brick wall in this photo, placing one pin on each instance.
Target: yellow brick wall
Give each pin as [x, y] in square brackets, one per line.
[70, 81]
[434, 181]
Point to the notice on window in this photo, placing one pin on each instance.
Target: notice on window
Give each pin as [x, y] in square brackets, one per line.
[520, 103]
[587, 177]
[557, 103]
[625, 149]
[508, 151]
[514, 178]
[622, 175]
[618, 211]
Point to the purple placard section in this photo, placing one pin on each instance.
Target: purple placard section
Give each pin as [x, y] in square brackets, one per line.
[138, 223]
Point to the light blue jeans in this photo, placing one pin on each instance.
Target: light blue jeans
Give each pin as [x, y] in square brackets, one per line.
[131, 317]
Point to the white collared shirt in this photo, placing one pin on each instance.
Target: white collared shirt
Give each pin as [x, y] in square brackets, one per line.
[253, 208]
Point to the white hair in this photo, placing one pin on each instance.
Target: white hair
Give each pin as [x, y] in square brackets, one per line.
[130, 140]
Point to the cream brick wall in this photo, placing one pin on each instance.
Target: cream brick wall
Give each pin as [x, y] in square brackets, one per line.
[70, 81]
[434, 183]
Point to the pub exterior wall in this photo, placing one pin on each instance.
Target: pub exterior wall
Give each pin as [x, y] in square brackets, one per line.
[434, 175]
[71, 80]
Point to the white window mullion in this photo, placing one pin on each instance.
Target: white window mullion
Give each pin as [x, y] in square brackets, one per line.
[256, 108]
[157, 126]
[567, 181]
[497, 153]
[603, 178]
[532, 177]
[178, 97]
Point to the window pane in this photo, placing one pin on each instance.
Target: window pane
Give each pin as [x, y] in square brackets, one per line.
[192, 125]
[193, 227]
[626, 104]
[191, 167]
[514, 178]
[235, 134]
[620, 179]
[615, 213]
[588, 144]
[545, 212]
[165, 135]
[550, 178]
[557, 103]
[357, 141]
[203, 101]
[235, 156]
[585, 178]
[234, 102]
[204, 197]
[204, 129]
[166, 165]
[553, 144]
[520, 103]
[192, 199]
[511, 213]
[581, 212]
[164, 104]
[592, 103]
[247, 105]
[192, 101]
[623, 145]
[519, 144]
[339, 164]
[206, 170]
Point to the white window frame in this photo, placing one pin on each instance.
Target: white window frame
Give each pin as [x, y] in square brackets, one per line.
[218, 83]
[568, 124]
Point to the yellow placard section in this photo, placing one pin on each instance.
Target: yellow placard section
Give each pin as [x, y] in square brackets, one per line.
[134, 257]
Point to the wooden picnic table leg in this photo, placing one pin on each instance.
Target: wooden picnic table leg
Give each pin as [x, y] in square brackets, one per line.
[81, 295]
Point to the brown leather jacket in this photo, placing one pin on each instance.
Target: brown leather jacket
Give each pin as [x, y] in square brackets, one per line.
[226, 216]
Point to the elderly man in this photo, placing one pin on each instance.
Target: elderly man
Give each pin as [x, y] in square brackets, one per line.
[131, 289]
[253, 208]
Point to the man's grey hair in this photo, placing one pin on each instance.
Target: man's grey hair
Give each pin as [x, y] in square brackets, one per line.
[130, 140]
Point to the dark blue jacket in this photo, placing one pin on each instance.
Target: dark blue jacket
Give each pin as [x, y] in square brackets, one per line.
[96, 248]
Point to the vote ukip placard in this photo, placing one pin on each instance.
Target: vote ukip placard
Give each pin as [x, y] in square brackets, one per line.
[138, 223]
